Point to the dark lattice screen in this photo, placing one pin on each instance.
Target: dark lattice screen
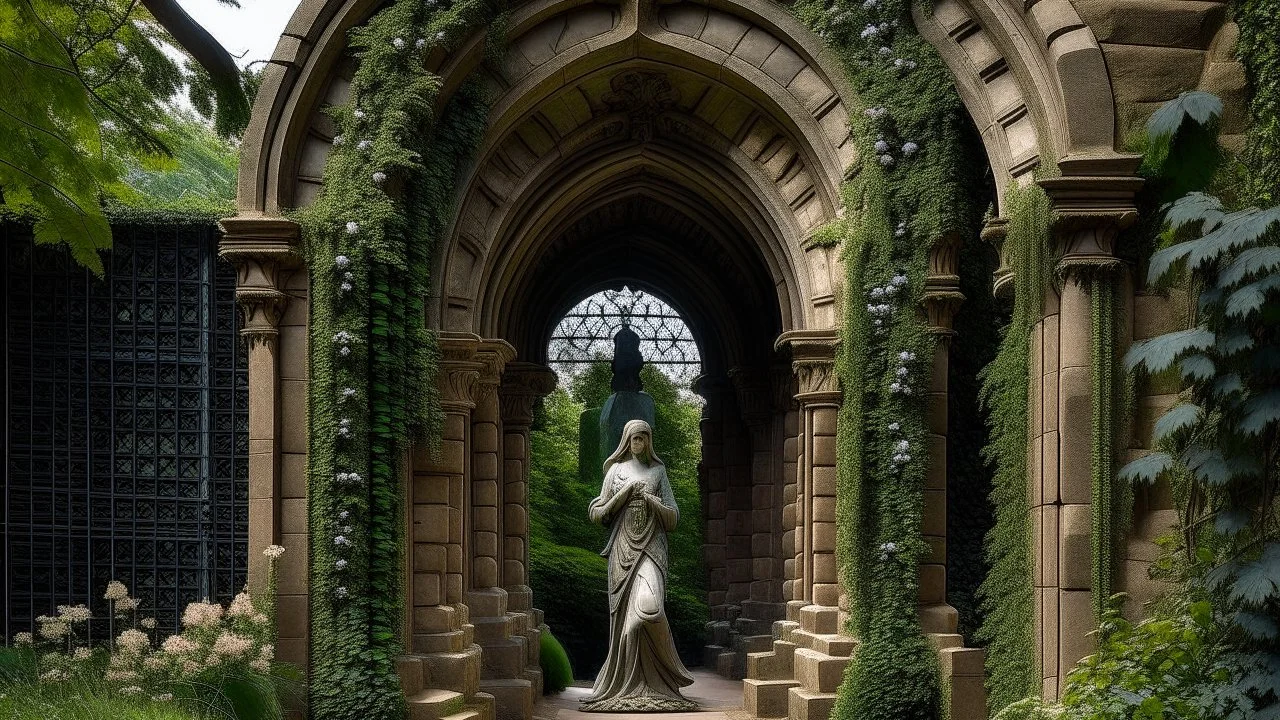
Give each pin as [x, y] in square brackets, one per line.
[126, 443]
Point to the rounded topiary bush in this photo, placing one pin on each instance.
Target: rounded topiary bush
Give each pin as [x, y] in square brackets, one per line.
[557, 671]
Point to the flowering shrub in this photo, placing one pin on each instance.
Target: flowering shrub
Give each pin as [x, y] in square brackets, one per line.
[220, 652]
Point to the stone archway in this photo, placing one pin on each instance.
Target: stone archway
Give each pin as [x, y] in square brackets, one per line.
[712, 138]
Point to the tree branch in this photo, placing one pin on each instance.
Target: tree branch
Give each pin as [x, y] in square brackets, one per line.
[211, 56]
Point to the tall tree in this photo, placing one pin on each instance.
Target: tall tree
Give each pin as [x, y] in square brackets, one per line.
[79, 78]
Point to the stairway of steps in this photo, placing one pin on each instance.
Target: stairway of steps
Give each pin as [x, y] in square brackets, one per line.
[441, 678]
[732, 641]
[798, 678]
[509, 669]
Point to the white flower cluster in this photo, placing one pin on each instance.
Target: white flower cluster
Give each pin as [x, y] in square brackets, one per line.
[379, 177]
[904, 64]
[875, 113]
[420, 43]
[900, 385]
[398, 43]
[273, 551]
[364, 145]
[341, 541]
[348, 394]
[888, 550]
[347, 478]
[872, 30]
[881, 311]
[901, 229]
[344, 428]
[343, 340]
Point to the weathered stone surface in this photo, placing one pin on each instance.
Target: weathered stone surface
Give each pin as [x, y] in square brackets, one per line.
[1148, 74]
[1166, 23]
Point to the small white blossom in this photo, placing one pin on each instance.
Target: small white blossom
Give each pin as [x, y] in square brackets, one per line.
[116, 590]
[884, 50]
[162, 697]
[903, 445]
[894, 426]
[341, 564]
[23, 638]
[903, 372]
[131, 690]
[342, 337]
[344, 515]
[346, 286]
[358, 114]
[346, 529]
[120, 48]
[909, 148]
[882, 146]
[869, 31]
[353, 227]
[364, 145]
[889, 547]
[870, 5]
[342, 261]
[906, 356]
[398, 43]
[899, 280]
[440, 36]
[340, 592]
[344, 351]
[273, 551]
[341, 541]
[420, 43]
[886, 160]
[338, 139]
[348, 393]
[148, 623]
[379, 178]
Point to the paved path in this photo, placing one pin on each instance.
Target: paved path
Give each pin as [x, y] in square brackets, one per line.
[720, 700]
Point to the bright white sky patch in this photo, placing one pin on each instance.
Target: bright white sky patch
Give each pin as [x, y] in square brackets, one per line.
[248, 33]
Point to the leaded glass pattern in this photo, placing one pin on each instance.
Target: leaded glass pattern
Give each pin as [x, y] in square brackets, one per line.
[585, 334]
[127, 439]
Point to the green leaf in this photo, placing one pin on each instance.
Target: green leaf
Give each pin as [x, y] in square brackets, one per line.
[1146, 468]
[1257, 626]
[1176, 419]
[1239, 229]
[1158, 353]
[1250, 262]
[1260, 411]
[1196, 106]
[1251, 297]
[1230, 522]
[1197, 367]
[1228, 384]
[1233, 341]
[1253, 584]
[1195, 207]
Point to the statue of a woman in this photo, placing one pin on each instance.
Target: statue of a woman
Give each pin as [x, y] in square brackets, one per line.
[643, 673]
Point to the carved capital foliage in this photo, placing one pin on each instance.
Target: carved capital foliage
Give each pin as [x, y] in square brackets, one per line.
[751, 386]
[1092, 201]
[942, 296]
[994, 231]
[813, 357]
[642, 97]
[522, 384]
[493, 355]
[263, 253]
[459, 370]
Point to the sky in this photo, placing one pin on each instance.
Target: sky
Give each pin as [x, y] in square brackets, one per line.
[248, 33]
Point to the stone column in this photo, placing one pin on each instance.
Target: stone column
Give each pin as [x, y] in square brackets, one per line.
[486, 459]
[711, 475]
[522, 385]
[1093, 202]
[438, 504]
[819, 398]
[269, 273]
[942, 297]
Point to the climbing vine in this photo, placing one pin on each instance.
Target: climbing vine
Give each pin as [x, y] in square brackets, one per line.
[1259, 51]
[911, 188]
[369, 238]
[1007, 593]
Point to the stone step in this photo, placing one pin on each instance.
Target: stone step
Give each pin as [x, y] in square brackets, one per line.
[773, 665]
[820, 619]
[491, 629]
[486, 603]
[434, 704]
[744, 626]
[533, 644]
[409, 670]
[727, 665]
[756, 610]
[808, 705]
[836, 645]
[504, 659]
[466, 714]
[818, 671]
[533, 674]
[754, 643]
[519, 622]
[711, 655]
[458, 672]
[513, 698]
[483, 703]
[782, 629]
[945, 641]
[766, 698]
[452, 641]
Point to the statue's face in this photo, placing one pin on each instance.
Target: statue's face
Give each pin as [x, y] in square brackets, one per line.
[639, 442]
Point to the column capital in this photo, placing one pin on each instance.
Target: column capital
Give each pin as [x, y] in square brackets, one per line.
[493, 355]
[459, 371]
[522, 384]
[1093, 200]
[751, 387]
[263, 252]
[813, 357]
[994, 231]
[942, 296]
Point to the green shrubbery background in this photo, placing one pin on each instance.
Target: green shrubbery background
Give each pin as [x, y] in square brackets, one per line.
[567, 572]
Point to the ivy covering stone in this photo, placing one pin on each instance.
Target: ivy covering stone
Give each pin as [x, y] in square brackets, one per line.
[369, 239]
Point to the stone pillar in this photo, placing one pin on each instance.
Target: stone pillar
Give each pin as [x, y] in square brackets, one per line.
[443, 664]
[271, 290]
[1093, 201]
[484, 489]
[942, 297]
[711, 475]
[522, 385]
[819, 398]
[438, 504]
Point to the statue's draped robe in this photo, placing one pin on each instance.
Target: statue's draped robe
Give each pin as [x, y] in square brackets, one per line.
[642, 671]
